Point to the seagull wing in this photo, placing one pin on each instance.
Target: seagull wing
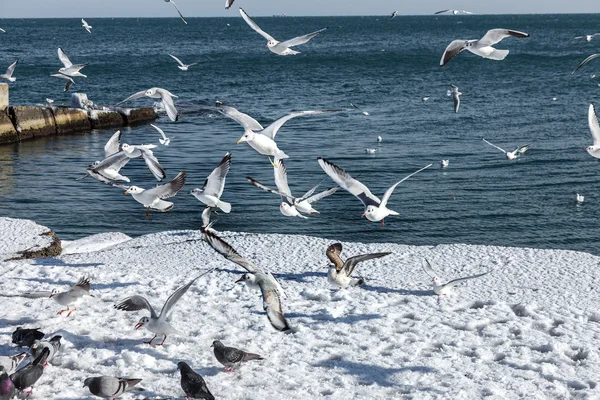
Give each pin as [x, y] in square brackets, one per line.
[323, 194]
[594, 126]
[174, 298]
[112, 146]
[179, 12]
[301, 39]
[587, 60]
[272, 304]
[154, 165]
[441, 12]
[243, 119]
[255, 27]
[351, 263]
[115, 161]
[453, 49]
[494, 36]
[167, 101]
[493, 145]
[162, 133]
[135, 303]
[224, 249]
[429, 270]
[134, 96]
[178, 60]
[169, 189]
[455, 282]
[342, 178]
[69, 80]
[215, 183]
[11, 68]
[281, 180]
[272, 129]
[64, 58]
[228, 4]
[389, 192]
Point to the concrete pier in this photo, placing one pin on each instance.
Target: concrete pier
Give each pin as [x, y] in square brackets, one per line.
[3, 96]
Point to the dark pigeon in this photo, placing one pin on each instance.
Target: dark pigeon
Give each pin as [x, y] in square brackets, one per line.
[230, 356]
[25, 337]
[193, 384]
[7, 388]
[27, 377]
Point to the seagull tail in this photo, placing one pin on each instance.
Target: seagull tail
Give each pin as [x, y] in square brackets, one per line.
[224, 206]
[281, 155]
[498, 55]
[392, 212]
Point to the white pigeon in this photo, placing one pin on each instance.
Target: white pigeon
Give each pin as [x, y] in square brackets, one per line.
[442, 289]
[178, 12]
[453, 12]
[164, 139]
[455, 96]
[159, 324]
[182, 66]
[69, 80]
[375, 209]
[228, 4]
[152, 199]
[580, 199]
[86, 25]
[588, 38]
[482, 47]
[445, 163]
[587, 60]
[164, 95]
[280, 48]
[594, 149]
[211, 192]
[71, 296]
[9, 72]
[69, 68]
[340, 274]
[510, 155]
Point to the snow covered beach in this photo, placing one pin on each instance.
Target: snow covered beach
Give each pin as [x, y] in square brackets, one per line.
[526, 330]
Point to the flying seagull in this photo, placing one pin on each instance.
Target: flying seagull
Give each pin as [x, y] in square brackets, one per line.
[510, 155]
[86, 25]
[69, 80]
[164, 140]
[228, 4]
[2, 30]
[69, 69]
[211, 192]
[165, 97]
[182, 66]
[153, 199]
[108, 169]
[482, 47]
[442, 289]
[587, 60]
[394, 13]
[594, 149]
[9, 71]
[280, 48]
[455, 96]
[179, 12]
[588, 38]
[340, 274]
[453, 12]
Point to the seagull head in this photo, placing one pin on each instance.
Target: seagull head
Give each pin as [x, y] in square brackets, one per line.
[196, 191]
[370, 211]
[272, 43]
[55, 291]
[127, 148]
[591, 149]
[248, 279]
[150, 92]
[133, 190]
[143, 321]
[248, 136]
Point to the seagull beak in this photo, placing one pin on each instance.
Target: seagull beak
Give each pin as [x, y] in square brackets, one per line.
[138, 326]
[126, 192]
[363, 214]
[240, 141]
[239, 280]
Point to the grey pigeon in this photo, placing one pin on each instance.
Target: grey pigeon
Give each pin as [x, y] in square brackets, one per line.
[108, 387]
[27, 377]
[53, 345]
[193, 384]
[10, 363]
[25, 337]
[230, 356]
[7, 388]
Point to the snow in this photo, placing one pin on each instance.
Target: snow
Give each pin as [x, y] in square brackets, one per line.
[17, 235]
[526, 330]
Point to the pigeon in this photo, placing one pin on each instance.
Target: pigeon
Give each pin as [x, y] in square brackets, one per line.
[192, 383]
[69, 68]
[25, 337]
[86, 25]
[27, 376]
[10, 363]
[340, 274]
[455, 96]
[587, 60]
[108, 387]
[442, 289]
[152, 199]
[277, 47]
[53, 345]
[7, 387]
[211, 192]
[69, 80]
[182, 66]
[178, 12]
[482, 47]
[9, 72]
[77, 291]
[165, 97]
[594, 149]
[230, 356]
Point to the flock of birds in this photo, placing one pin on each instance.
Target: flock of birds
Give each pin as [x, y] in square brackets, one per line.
[17, 375]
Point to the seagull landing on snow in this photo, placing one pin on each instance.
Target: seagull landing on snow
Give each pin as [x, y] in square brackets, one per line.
[9, 72]
[442, 289]
[482, 47]
[182, 66]
[280, 48]
[587, 60]
[165, 97]
[152, 199]
[375, 209]
[86, 26]
[71, 296]
[340, 274]
[510, 155]
[211, 192]
[455, 96]
[594, 149]
[69, 68]
[580, 199]
[164, 140]
[178, 12]
[588, 38]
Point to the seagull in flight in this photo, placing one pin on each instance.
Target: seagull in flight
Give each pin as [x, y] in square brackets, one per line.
[340, 274]
[442, 289]
[482, 47]
[152, 199]
[9, 72]
[164, 139]
[455, 96]
[594, 150]
[165, 97]
[588, 38]
[277, 47]
[69, 69]
[69, 80]
[394, 14]
[179, 12]
[511, 155]
[228, 4]
[587, 60]
[453, 12]
[182, 66]
[211, 192]
[86, 25]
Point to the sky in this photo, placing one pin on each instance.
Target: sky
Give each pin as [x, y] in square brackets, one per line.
[215, 8]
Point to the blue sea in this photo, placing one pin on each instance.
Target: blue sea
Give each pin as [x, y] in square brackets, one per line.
[384, 66]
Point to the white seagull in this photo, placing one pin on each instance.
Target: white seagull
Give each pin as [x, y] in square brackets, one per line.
[394, 13]
[375, 209]
[510, 155]
[164, 139]
[340, 274]
[9, 72]
[280, 48]
[108, 169]
[157, 324]
[86, 25]
[69, 80]
[442, 289]
[445, 163]
[455, 96]
[580, 199]
[211, 192]
[69, 68]
[587, 60]
[453, 12]
[164, 95]
[594, 149]
[2, 30]
[359, 109]
[71, 296]
[482, 47]
[588, 38]
[182, 66]
[228, 4]
[179, 12]
[144, 151]
[152, 199]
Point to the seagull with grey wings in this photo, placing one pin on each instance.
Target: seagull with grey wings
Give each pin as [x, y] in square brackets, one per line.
[69, 69]
[482, 47]
[455, 96]
[587, 60]
[71, 296]
[442, 289]
[588, 38]
[340, 274]
[86, 26]
[8, 75]
[228, 4]
[211, 192]
[68, 79]
[10, 363]
[594, 149]
[270, 288]
[375, 209]
[159, 324]
[192, 383]
[511, 155]
[153, 199]
[165, 97]
[230, 356]
[164, 140]
[277, 47]
[182, 66]
[27, 376]
[177, 8]
[453, 12]
[108, 169]
[109, 387]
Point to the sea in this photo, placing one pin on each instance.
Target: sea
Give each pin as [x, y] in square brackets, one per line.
[385, 66]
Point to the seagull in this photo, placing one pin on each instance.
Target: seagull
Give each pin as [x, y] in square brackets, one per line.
[211, 192]
[290, 205]
[77, 291]
[482, 47]
[53, 345]
[27, 376]
[263, 139]
[455, 96]
[2, 30]
[164, 95]
[425, 98]
[442, 289]
[379, 139]
[192, 383]
[69, 80]
[280, 48]
[588, 38]
[445, 163]
[454, 12]
[49, 101]
[510, 155]
[370, 151]
[182, 66]
[152, 199]
[25, 337]
[108, 169]
[179, 12]
[86, 25]
[340, 274]
[359, 109]
[594, 150]
[269, 286]
[375, 209]
[10, 363]
[230, 356]
[587, 60]
[109, 387]
[157, 324]
[7, 387]
[165, 140]
[69, 68]
[144, 151]
[394, 13]
[206, 223]
[580, 199]
[228, 4]
[9, 71]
